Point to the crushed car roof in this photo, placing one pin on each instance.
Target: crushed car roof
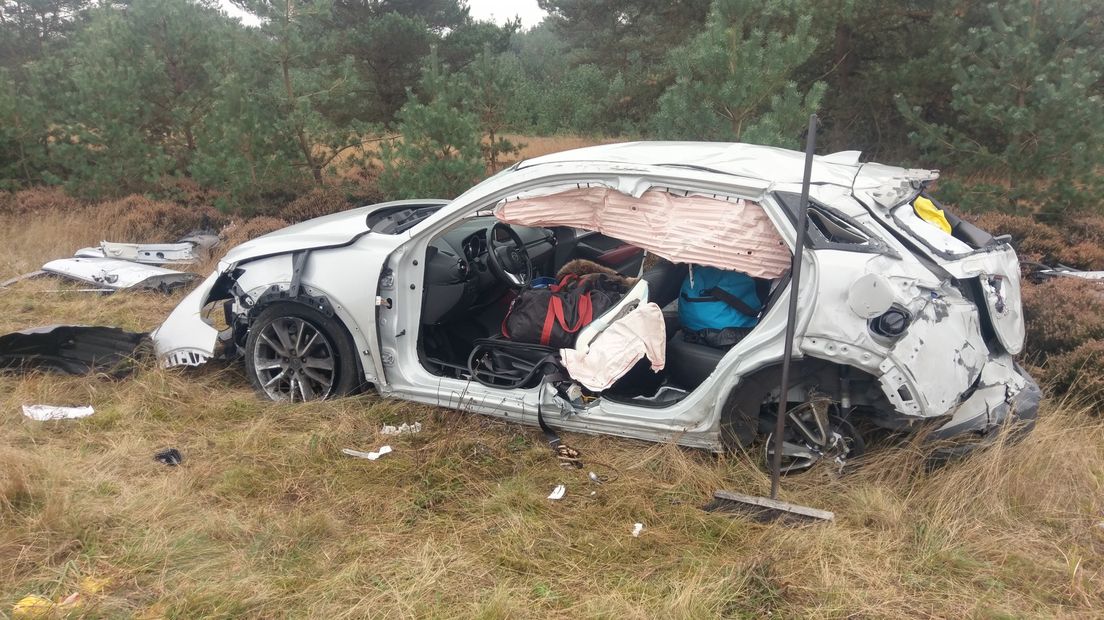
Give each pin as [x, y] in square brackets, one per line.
[767, 163]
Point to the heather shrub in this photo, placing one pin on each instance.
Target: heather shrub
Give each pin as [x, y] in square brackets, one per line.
[315, 203]
[1080, 372]
[242, 231]
[1034, 241]
[1077, 243]
[37, 200]
[139, 219]
[1061, 315]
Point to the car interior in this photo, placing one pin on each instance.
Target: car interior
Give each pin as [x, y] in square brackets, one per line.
[475, 270]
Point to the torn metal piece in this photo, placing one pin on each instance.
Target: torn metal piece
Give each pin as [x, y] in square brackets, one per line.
[151, 253]
[20, 278]
[1045, 272]
[44, 413]
[118, 274]
[72, 349]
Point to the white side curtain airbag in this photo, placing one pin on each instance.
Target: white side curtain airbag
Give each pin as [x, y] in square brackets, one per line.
[696, 229]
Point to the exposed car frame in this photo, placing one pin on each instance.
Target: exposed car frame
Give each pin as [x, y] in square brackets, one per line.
[946, 361]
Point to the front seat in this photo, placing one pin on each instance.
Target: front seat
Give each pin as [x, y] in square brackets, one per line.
[664, 281]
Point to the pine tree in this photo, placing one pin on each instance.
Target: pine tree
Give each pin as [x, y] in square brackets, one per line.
[490, 95]
[734, 80]
[1025, 106]
[438, 152]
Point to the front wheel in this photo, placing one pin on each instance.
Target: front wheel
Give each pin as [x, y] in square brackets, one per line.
[295, 353]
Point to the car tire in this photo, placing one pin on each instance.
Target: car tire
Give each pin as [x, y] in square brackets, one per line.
[295, 353]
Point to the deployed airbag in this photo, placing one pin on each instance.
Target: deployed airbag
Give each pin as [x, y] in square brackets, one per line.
[618, 348]
[702, 230]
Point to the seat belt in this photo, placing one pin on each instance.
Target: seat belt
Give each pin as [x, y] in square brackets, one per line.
[732, 301]
[567, 455]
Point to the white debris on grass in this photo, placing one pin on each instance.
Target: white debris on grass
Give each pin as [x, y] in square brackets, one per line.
[637, 529]
[44, 413]
[371, 456]
[399, 430]
[558, 492]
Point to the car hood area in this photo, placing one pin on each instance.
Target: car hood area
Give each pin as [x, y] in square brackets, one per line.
[326, 231]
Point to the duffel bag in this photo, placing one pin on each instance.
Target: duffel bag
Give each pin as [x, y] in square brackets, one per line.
[553, 316]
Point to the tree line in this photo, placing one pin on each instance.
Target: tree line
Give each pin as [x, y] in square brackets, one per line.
[111, 97]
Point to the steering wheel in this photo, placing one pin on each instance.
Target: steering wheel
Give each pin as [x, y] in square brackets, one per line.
[508, 259]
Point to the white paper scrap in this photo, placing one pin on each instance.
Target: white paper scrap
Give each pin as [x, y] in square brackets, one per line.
[371, 456]
[558, 492]
[399, 430]
[637, 529]
[42, 413]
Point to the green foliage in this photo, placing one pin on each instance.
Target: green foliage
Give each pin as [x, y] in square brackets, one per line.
[490, 91]
[734, 81]
[149, 96]
[1026, 107]
[139, 87]
[438, 153]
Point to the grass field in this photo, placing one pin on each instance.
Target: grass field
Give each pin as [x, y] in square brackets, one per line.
[266, 517]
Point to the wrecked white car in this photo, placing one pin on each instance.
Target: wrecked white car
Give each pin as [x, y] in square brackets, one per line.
[904, 321]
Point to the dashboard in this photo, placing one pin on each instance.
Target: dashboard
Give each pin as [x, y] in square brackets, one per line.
[458, 277]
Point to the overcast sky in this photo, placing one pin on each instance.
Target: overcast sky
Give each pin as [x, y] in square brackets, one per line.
[501, 10]
[494, 10]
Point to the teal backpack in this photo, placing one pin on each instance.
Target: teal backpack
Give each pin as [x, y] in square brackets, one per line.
[716, 299]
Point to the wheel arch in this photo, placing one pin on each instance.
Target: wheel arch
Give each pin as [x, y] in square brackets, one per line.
[308, 297]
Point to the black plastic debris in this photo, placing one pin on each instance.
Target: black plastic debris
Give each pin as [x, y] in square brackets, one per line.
[73, 349]
[169, 456]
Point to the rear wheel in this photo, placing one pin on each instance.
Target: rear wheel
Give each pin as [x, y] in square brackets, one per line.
[812, 435]
[295, 353]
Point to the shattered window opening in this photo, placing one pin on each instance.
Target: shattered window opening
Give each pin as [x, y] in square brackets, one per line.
[835, 229]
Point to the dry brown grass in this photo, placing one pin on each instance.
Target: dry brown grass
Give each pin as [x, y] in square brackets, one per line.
[266, 518]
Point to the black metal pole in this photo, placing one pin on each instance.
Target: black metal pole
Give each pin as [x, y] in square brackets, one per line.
[791, 315]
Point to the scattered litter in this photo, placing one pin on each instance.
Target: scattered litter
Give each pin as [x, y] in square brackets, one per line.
[44, 413]
[399, 430]
[595, 478]
[169, 456]
[35, 606]
[93, 585]
[558, 492]
[72, 349]
[637, 529]
[118, 274]
[371, 456]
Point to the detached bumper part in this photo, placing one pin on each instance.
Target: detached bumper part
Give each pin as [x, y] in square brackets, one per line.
[185, 339]
[71, 349]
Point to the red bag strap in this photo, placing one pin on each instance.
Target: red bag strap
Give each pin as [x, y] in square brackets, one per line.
[585, 314]
[565, 281]
[555, 306]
